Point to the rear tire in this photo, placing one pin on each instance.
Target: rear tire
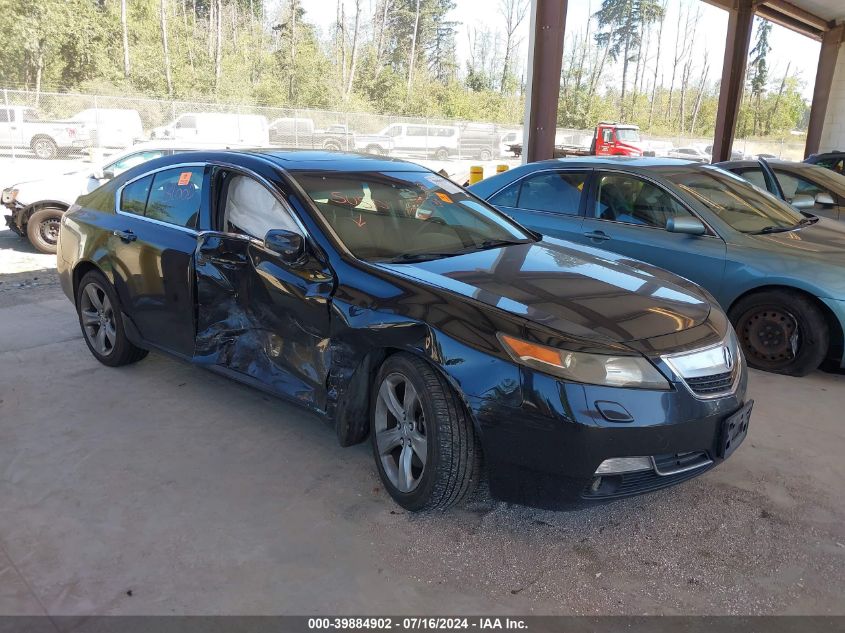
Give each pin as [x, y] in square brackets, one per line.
[428, 416]
[44, 148]
[781, 331]
[485, 154]
[101, 321]
[441, 154]
[42, 229]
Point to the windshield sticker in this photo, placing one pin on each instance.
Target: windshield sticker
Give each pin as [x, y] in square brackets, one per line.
[444, 197]
[184, 178]
[444, 183]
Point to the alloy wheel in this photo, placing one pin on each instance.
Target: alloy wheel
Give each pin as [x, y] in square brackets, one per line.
[400, 430]
[98, 318]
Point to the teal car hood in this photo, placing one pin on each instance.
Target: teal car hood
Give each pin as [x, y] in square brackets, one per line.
[825, 239]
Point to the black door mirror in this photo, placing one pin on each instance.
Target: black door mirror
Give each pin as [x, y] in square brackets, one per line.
[288, 245]
[689, 226]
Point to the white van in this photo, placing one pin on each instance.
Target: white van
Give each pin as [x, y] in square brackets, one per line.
[217, 127]
[439, 141]
[112, 127]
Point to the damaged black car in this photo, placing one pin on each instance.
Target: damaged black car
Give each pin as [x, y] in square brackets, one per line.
[405, 310]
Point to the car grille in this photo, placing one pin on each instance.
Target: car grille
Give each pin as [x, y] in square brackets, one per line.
[710, 385]
[670, 469]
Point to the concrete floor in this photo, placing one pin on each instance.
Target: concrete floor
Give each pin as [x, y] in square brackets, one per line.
[161, 488]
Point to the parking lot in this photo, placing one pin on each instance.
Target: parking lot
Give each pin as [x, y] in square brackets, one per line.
[162, 488]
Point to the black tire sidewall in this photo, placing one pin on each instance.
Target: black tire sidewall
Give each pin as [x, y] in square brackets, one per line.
[122, 347]
[813, 330]
[33, 229]
[419, 497]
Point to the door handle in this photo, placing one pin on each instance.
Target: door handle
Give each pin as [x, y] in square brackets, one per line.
[600, 236]
[126, 236]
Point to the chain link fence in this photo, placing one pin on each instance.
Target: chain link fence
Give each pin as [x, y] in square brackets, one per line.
[78, 126]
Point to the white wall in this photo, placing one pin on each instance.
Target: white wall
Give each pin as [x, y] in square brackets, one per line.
[833, 133]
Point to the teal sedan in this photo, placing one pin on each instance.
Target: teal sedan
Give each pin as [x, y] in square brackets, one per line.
[779, 274]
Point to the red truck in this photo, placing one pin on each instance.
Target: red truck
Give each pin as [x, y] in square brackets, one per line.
[609, 139]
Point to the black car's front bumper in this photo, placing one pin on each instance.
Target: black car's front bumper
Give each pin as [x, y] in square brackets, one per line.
[546, 451]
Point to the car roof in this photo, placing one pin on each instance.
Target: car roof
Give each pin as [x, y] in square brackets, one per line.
[299, 160]
[614, 161]
[774, 162]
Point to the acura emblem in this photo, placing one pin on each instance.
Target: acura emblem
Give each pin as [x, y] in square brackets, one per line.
[729, 357]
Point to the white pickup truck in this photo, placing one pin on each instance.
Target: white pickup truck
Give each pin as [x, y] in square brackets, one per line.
[21, 126]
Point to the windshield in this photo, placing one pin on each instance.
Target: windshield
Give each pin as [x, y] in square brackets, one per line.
[736, 201]
[406, 216]
[628, 135]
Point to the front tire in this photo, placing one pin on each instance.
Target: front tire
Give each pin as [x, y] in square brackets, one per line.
[441, 154]
[781, 331]
[102, 324]
[424, 443]
[42, 229]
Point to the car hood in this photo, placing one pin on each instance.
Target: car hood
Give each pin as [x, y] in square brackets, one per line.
[56, 187]
[825, 239]
[572, 292]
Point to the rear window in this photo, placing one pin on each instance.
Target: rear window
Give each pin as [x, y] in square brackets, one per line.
[176, 195]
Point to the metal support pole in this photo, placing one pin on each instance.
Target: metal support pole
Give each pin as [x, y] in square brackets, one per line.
[9, 121]
[831, 43]
[545, 59]
[740, 22]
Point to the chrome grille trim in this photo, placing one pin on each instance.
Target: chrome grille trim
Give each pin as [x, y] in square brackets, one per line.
[709, 372]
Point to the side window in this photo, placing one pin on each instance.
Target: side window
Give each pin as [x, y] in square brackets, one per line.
[794, 186]
[120, 166]
[755, 176]
[607, 136]
[252, 210]
[4, 116]
[176, 195]
[134, 196]
[188, 121]
[416, 130]
[508, 196]
[556, 192]
[634, 201]
[394, 130]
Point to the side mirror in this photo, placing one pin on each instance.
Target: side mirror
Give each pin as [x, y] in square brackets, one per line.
[805, 202]
[108, 174]
[688, 226]
[288, 245]
[824, 198]
[97, 174]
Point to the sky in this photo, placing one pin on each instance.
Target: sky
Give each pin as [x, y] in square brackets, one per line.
[787, 46]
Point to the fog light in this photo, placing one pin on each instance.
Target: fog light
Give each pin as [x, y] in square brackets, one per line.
[624, 465]
[594, 487]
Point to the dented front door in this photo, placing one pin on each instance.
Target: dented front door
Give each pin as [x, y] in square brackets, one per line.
[263, 318]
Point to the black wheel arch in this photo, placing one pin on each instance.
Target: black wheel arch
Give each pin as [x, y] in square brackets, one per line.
[28, 210]
[837, 337]
[352, 413]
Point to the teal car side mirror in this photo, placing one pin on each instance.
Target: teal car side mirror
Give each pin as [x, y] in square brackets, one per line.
[688, 226]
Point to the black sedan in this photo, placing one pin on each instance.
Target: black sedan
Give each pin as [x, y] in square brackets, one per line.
[806, 187]
[400, 307]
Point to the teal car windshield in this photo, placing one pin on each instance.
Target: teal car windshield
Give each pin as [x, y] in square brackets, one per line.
[735, 201]
[406, 216]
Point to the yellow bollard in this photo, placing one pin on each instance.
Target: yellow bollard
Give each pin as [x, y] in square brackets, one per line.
[501, 168]
[476, 173]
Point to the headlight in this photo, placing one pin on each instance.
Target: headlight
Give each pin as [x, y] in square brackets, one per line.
[594, 369]
[9, 196]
